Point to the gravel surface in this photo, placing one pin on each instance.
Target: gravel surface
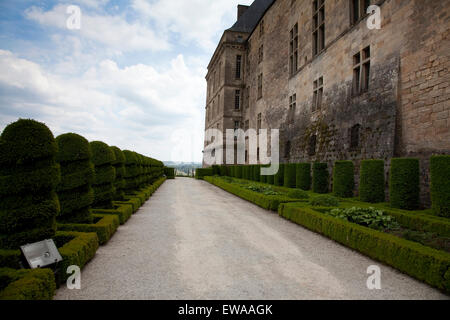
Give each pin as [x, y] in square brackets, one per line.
[192, 240]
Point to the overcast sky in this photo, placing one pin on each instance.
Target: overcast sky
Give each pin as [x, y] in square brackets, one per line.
[133, 75]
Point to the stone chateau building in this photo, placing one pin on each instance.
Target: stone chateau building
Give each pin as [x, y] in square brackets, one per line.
[337, 89]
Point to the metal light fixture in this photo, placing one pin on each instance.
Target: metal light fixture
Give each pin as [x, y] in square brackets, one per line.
[41, 254]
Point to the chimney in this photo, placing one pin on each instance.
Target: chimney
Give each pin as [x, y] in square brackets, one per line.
[241, 10]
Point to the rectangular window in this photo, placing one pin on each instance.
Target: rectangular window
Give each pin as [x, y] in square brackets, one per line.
[361, 71]
[237, 100]
[318, 94]
[247, 125]
[260, 86]
[238, 66]
[261, 28]
[318, 26]
[293, 50]
[358, 10]
[312, 145]
[237, 125]
[259, 123]
[261, 54]
[292, 107]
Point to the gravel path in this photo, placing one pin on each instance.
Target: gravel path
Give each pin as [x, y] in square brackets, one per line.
[192, 240]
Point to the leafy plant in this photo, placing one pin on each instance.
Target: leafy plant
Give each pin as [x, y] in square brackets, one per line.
[324, 201]
[369, 217]
[298, 194]
[268, 191]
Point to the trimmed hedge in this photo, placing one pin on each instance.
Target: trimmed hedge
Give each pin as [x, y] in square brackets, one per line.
[262, 178]
[37, 284]
[440, 185]
[290, 175]
[423, 263]
[119, 166]
[238, 172]
[257, 173]
[404, 183]
[76, 197]
[261, 200]
[105, 227]
[303, 176]
[169, 172]
[105, 175]
[29, 175]
[122, 210]
[131, 171]
[223, 170]
[271, 179]
[200, 173]
[320, 178]
[278, 179]
[344, 179]
[372, 183]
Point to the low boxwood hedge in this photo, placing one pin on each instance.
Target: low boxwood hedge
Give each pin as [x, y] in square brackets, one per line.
[440, 185]
[37, 284]
[404, 183]
[344, 179]
[105, 227]
[423, 263]
[123, 210]
[268, 202]
[320, 178]
[372, 182]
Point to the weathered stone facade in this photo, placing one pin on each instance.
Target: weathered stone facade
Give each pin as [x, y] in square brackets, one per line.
[400, 109]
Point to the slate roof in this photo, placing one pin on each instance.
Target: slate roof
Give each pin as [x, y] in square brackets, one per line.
[250, 19]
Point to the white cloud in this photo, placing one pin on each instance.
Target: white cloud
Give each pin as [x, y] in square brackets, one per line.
[110, 30]
[199, 21]
[136, 107]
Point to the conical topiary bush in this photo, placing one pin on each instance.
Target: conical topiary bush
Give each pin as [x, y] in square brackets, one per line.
[77, 175]
[29, 175]
[119, 165]
[103, 158]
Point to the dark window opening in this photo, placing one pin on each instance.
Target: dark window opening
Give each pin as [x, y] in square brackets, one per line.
[260, 86]
[293, 50]
[354, 137]
[318, 26]
[361, 71]
[287, 149]
[318, 94]
[238, 66]
[358, 10]
[237, 100]
[312, 145]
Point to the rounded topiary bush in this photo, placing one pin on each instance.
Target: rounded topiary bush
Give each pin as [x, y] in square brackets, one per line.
[119, 165]
[320, 178]
[303, 176]
[279, 176]
[440, 185]
[29, 175]
[105, 175]
[77, 175]
[404, 184]
[344, 179]
[290, 175]
[372, 182]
